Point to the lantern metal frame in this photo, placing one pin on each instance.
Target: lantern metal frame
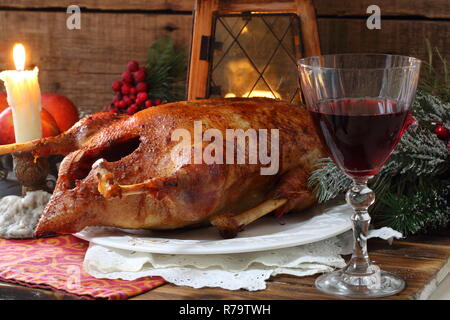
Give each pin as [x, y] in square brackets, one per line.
[212, 88]
[205, 18]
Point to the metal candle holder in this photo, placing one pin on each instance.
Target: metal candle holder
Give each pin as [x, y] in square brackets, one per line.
[31, 171]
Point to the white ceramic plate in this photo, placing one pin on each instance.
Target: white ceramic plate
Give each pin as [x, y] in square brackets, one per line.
[318, 223]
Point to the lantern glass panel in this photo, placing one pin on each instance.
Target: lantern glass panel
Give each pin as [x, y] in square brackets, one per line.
[255, 55]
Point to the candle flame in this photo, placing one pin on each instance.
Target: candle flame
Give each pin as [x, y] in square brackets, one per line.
[19, 56]
[256, 93]
[263, 94]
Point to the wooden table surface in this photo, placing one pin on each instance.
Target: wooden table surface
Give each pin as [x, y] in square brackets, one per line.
[423, 261]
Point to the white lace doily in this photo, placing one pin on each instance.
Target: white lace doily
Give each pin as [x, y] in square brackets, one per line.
[229, 271]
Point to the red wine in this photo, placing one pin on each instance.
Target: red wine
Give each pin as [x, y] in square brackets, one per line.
[360, 134]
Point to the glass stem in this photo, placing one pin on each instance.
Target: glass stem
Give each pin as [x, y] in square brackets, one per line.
[360, 197]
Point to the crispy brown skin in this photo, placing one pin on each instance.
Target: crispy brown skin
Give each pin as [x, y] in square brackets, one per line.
[200, 190]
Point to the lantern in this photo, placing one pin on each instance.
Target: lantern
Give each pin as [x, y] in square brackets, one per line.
[249, 48]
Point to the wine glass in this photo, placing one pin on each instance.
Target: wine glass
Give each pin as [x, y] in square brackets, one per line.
[360, 105]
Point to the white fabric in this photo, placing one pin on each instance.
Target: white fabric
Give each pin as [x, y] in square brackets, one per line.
[20, 215]
[229, 271]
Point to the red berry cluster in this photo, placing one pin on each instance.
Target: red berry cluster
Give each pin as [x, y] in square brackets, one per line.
[132, 92]
[441, 131]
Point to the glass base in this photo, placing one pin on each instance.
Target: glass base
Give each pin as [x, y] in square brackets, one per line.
[377, 285]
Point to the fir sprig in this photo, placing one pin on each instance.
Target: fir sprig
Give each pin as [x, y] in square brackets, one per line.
[425, 209]
[166, 70]
[429, 108]
[328, 181]
[419, 153]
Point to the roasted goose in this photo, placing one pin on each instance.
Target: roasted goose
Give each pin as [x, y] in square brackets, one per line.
[126, 171]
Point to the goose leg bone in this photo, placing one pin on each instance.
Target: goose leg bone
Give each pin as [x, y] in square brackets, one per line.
[229, 225]
[68, 141]
[109, 189]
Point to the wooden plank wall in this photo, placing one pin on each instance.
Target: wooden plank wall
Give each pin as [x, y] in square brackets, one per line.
[405, 25]
[81, 64]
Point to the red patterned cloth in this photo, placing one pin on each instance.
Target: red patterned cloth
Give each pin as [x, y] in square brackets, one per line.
[57, 264]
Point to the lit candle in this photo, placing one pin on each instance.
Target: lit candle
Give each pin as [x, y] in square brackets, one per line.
[256, 93]
[24, 97]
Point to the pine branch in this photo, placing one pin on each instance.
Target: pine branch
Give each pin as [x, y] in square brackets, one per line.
[328, 181]
[419, 153]
[166, 67]
[425, 209]
[428, 108]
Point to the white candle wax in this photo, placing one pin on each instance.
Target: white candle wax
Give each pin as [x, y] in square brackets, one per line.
[24, 97]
